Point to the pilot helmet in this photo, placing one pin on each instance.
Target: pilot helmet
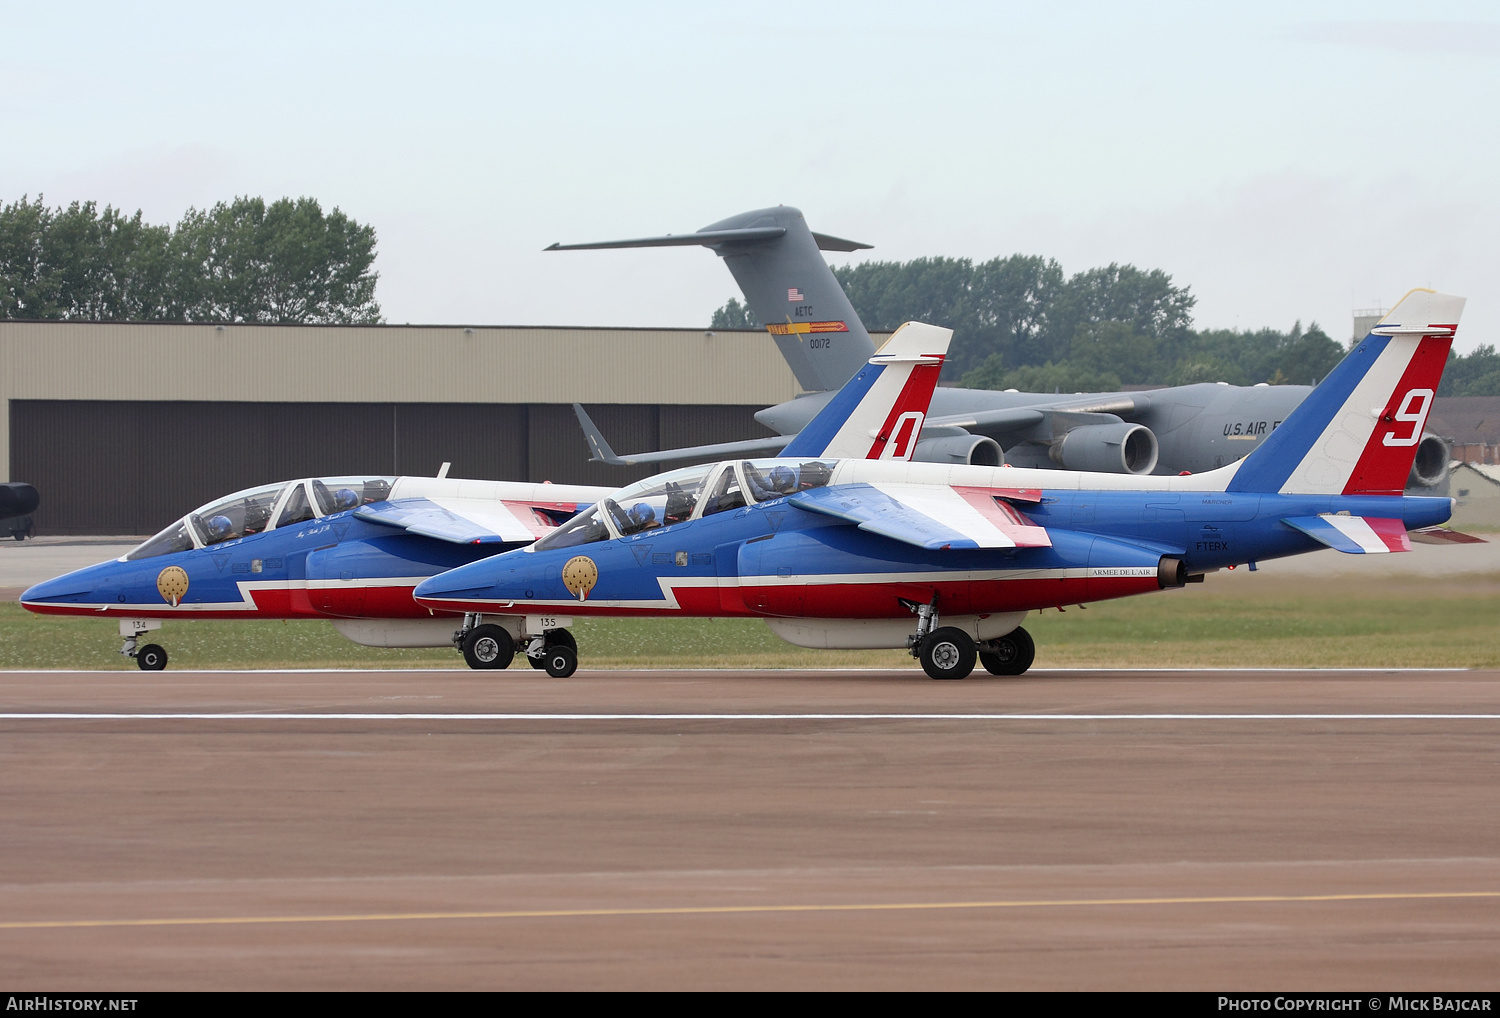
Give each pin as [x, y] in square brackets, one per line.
[219, 528]
[642, 514]
[783, 479]
[345, 498]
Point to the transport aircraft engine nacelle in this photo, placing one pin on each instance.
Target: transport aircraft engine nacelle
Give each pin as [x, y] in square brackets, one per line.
[1122, 448]
[1431, 464]
[976, 450]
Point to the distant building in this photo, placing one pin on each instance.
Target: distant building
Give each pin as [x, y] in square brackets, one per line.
[1365, 320]
[1475, 491]
[1471, 426]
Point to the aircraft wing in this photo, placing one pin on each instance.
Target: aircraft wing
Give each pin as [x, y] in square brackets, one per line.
[1354, 535]
[600, 451]
[465, 521]
[929, 516]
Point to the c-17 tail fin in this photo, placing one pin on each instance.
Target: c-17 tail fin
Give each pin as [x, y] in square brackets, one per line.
[879, 413]
[774, 258]
[1358, 432]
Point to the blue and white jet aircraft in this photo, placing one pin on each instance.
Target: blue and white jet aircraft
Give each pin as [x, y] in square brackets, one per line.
[351, 549]
[842, 553]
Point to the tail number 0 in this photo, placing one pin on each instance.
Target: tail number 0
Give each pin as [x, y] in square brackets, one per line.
[1422, 398]
[903, 436]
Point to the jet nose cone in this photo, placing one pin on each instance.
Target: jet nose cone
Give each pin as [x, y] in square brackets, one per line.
[67, 589]
[466, 583]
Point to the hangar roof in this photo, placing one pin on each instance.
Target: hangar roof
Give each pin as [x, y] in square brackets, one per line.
[395, 363]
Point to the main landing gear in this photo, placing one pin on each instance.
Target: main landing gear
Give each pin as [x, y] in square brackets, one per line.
[950, 653]
[486, 645]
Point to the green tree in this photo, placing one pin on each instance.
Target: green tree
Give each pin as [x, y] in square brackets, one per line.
[1478, 374]
[989, 375]
[1064, 376]
[1306, 357]
[242, 261]
[734, 315]
[1114, 347]
[246, 261]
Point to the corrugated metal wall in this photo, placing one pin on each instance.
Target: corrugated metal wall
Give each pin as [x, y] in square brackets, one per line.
[116, 467]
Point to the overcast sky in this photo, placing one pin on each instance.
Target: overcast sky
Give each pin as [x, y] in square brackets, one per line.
[1285, 160]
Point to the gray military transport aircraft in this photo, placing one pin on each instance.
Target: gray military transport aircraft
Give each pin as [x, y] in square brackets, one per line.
[775, 259]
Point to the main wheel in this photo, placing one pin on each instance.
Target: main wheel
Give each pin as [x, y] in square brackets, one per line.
[948, 654]
[151, 658]
[1012, 654]
[560, 661]
[488, 647]
[554, 636]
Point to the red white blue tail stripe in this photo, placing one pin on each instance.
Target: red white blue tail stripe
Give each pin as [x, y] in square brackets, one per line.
[1357, 432]
[879, 413]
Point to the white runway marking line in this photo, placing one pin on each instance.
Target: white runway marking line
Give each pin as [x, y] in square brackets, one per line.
[457, 670]
[518, 716]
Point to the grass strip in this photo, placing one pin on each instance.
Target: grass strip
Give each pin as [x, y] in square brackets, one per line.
[1229, 621]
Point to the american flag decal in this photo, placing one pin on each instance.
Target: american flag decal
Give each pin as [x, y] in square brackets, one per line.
[793, 294]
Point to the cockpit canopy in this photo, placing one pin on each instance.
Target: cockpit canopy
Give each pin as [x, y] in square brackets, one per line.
[265, 508]
[688, 494]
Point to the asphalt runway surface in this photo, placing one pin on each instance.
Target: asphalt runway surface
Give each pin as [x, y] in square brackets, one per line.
[458, 830]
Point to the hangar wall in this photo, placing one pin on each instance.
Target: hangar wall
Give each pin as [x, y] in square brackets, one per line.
[124, 427]
[117, 467]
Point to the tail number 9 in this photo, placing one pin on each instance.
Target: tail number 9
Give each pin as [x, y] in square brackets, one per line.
[1416, 416]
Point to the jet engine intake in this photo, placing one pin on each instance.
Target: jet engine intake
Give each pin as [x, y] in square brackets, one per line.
[973, 449]
[1122, 448]
[1431, 464]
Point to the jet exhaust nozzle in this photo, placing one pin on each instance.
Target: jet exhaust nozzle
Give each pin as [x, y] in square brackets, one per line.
[1431, 464]
[1171, 572]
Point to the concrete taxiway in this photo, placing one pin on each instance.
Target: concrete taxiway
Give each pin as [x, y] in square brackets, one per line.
[1068, 829]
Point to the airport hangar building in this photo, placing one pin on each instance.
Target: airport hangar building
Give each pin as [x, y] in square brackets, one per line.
[124, 427]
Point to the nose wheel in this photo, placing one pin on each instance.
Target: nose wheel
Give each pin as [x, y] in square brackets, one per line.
[151, 658]
[556, 651]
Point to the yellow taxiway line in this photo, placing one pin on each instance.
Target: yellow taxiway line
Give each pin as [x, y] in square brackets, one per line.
[690, 910]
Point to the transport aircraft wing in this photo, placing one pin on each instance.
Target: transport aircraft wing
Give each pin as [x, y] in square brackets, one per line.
[930, 516]
[600, 451]
[464, 521]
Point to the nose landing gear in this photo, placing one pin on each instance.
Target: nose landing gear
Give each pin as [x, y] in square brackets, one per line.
[556, 651]
[150, 658]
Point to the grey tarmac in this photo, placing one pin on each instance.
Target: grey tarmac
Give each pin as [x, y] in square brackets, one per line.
[1261, 831]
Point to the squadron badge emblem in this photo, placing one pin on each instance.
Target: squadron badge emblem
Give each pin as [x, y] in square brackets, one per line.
[172, 584]
[579, 574]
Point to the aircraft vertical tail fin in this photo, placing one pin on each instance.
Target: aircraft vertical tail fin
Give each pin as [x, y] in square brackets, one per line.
[775, 259]
[880, 412]
[1358, 431]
